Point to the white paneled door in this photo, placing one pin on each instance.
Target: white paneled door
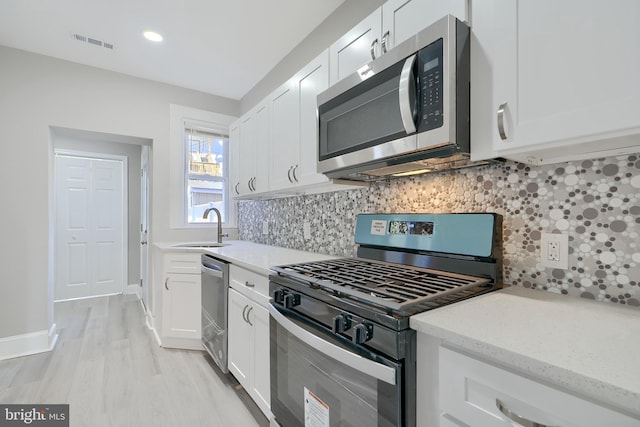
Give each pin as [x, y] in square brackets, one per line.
[90, 207]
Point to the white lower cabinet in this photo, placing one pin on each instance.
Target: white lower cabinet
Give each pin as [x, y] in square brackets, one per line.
[476, 393]
[248, 320]
[181, 326]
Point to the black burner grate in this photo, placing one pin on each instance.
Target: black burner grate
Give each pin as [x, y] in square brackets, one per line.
[393, 286]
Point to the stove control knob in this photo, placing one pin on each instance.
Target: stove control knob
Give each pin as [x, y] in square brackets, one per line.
[341, 323]
[362, 333]
[291, 300]
[278, 296]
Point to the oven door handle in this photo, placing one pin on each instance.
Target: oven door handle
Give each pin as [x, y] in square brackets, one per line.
[368, 367]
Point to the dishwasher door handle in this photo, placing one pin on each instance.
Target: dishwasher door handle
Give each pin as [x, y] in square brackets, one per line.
[212, 271]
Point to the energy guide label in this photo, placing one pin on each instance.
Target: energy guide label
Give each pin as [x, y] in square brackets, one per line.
[316, 412]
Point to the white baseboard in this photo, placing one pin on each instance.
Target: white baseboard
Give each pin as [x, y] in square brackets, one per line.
[151, 325]
[32, 343]
[183, 343]
[133, 289]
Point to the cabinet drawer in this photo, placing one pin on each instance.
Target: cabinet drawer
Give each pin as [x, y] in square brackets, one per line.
[182, 263]
[244, 280]
[472, 391]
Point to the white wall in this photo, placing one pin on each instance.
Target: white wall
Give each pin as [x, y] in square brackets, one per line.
[37, 92]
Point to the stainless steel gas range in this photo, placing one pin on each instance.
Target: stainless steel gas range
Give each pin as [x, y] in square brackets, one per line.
[342, 353]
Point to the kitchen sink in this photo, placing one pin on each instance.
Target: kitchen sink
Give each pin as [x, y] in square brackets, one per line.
[200, 245]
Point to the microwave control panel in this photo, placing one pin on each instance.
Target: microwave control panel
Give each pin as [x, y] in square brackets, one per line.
[430, 80]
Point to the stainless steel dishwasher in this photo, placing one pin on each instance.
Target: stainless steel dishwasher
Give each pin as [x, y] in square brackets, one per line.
[215, 290]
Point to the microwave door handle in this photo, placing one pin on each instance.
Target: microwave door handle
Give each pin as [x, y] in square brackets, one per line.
[357, 362]
[405, 87]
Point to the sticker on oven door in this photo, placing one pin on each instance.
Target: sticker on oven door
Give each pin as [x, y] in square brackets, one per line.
[378, 227]
[316, 412]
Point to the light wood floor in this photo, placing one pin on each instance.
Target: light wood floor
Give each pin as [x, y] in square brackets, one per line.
[111, 372]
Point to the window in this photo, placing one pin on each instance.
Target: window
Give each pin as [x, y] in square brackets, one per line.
[206, 173]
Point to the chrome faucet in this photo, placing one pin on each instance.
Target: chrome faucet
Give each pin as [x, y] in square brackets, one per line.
[206, 215]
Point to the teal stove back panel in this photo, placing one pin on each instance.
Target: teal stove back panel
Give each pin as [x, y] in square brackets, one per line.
[463, 233]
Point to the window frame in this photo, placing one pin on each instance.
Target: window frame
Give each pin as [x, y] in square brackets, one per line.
[207, 128]
[177, 173]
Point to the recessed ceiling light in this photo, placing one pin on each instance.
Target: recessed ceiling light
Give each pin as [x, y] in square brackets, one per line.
[153, 36]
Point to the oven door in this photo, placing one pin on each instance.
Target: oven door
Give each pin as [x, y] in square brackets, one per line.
[319, 380]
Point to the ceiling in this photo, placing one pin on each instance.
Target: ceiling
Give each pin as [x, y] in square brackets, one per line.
[221, 47]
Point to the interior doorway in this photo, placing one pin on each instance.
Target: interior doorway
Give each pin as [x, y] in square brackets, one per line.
[90, 225]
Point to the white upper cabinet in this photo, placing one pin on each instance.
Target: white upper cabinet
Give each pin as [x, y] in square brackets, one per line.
[555, 81]
[402, 19]
[310, 81]
[357, 47]
[284, 151]
[254, 146]
[388, 26]
[294, 127]
[234, 158]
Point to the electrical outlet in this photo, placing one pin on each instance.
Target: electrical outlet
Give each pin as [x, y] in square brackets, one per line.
[306, 230]
[554, 250]
[265, 227]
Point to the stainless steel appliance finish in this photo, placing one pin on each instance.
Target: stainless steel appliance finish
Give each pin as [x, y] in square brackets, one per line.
[407, 110]
[215, 291]
[341, 347]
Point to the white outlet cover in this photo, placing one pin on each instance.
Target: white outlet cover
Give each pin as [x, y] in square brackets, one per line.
[306, 230]
[562, 239]
[265, 227]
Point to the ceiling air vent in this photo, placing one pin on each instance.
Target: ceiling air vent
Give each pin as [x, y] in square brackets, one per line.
[91, 40]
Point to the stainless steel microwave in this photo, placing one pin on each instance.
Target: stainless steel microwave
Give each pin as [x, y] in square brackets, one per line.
[405, 112]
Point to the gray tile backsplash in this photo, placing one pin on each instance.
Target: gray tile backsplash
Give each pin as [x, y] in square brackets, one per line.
[597, 202]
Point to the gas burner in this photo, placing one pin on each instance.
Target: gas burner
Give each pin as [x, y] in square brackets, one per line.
[393, 286]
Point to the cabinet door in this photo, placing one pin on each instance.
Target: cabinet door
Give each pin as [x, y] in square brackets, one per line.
[259, 316]
[181, 306]
[261, 148]
[247, 153]
[283, 150]
[355, 48]
[402, 19]
[311, 80]
[240, 345]
[234, 158]
[563, 72]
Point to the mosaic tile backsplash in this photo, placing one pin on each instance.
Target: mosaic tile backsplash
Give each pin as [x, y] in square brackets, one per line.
[596, 202]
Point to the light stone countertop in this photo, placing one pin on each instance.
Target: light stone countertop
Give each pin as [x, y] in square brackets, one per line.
[252, 256]
[589, 348]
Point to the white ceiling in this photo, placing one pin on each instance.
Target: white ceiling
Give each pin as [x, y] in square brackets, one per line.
[222, 47]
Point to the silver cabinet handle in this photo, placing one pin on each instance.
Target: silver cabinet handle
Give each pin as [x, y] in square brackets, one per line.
[249, 184]
[236, 188]
[248, 313]
[249, 285]
[295, 168]
[517, 418]
[373, 48]
[166, 282]
[244, 311]
[385, 39]
[405, 89]
[289, 174]
[501, 108]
